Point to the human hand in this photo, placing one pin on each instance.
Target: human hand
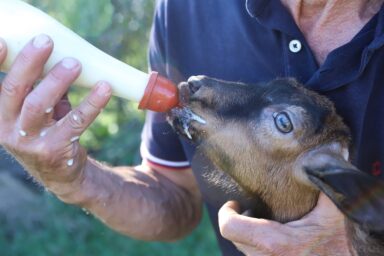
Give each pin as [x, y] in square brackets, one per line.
[37, 125]
[320, 232]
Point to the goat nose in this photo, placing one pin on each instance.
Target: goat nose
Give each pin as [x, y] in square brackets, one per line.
[195, 83]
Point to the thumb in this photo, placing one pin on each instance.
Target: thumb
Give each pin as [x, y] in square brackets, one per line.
[325, 209]
[246, 230]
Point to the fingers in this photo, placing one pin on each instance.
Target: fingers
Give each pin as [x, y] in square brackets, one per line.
[76, 121]
[321, 232]
[26, 69]
[59, 145]
[3, 51]
[251, 231]
[39, 104]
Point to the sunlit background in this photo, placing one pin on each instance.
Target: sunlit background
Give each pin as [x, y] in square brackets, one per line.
[34, 222]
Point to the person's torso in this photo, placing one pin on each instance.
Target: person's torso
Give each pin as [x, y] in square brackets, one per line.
[221, 39]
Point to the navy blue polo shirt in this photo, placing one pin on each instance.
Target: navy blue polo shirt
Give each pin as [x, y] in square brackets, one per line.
[252, 41]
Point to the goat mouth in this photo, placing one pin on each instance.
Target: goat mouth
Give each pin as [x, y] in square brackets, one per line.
[183, 120]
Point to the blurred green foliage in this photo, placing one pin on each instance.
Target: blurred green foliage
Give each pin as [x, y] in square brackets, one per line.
[120, 28]
[69, 231]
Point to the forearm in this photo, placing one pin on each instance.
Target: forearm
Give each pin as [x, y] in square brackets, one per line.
[41, 131]
[141, 204]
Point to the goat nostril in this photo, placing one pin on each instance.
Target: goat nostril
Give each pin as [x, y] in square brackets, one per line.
[194, 84]
[193, 87]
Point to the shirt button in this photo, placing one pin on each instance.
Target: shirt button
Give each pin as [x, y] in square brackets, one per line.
[295, 46]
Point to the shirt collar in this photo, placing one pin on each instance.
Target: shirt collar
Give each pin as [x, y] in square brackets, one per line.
[356, 54]
[255, 7]
[274, 15]
[379, 31]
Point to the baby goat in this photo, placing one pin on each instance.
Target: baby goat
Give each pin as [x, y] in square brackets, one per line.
[282, 144]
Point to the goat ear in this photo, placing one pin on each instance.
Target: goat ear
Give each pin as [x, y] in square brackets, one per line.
[358, 195]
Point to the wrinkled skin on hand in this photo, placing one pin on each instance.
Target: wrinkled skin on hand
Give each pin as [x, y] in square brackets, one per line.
[37, 125]
[320, 232]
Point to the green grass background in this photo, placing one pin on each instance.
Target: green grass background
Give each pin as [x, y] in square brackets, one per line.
[67, 230]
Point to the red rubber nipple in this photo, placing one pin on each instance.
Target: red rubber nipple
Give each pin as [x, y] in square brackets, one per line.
[160, 95]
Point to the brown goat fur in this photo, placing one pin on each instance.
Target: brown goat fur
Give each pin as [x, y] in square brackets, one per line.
[281, 144]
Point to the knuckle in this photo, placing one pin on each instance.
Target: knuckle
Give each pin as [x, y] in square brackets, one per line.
[92, 104]
[76, 119]
[61, 75]
[50, 154]
[226, 224]
[33, 106]
[55, 76]
[10, 86]
[45, 153]
[25, 58]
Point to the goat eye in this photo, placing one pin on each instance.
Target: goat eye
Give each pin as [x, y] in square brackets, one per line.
[283, 122]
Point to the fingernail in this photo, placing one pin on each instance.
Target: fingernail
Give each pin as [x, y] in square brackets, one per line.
[41, 41]
[103, 89]
[69, 63]
[48, 110]
[70, 162]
